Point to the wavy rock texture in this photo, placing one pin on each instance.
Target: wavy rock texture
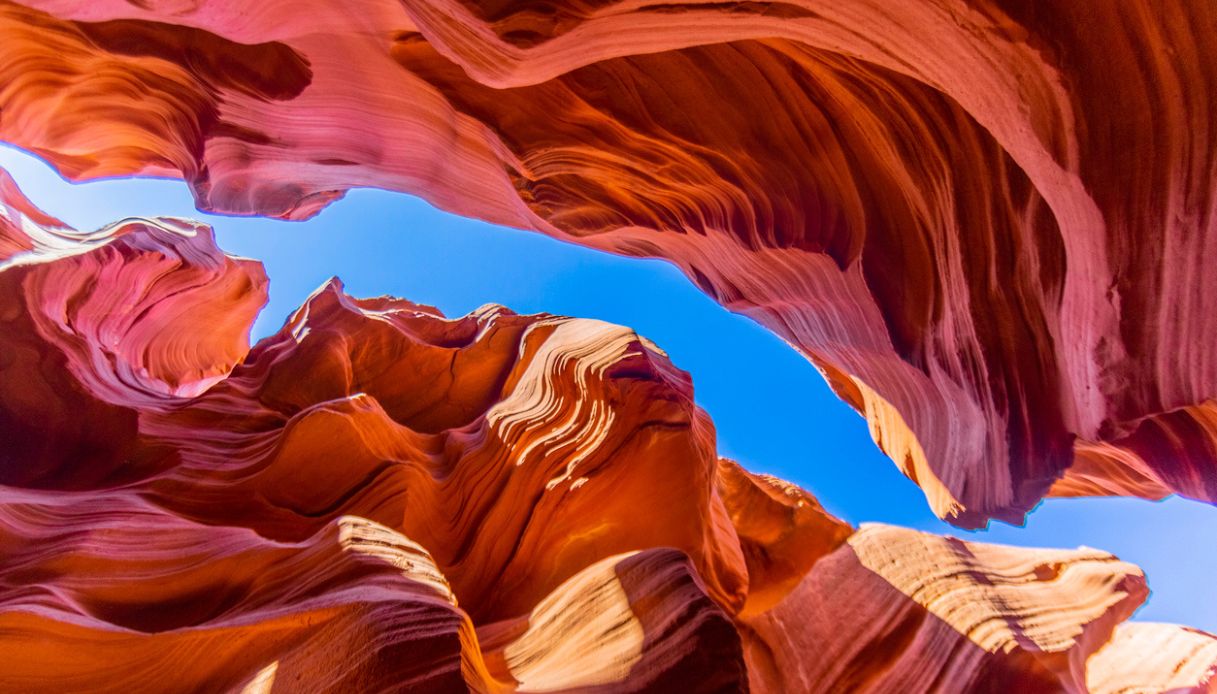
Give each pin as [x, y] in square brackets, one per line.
[1154, 658]
[379, 498]
[989, 223]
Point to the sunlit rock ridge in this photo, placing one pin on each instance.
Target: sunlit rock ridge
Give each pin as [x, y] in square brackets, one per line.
[990, 224]
[379, 498]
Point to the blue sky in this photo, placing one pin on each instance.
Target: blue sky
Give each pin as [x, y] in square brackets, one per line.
[773, 411]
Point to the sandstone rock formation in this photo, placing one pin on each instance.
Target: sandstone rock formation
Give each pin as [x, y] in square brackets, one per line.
[379, 498]
[989, 222]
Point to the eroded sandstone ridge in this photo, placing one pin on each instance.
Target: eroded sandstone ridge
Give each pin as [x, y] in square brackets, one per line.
[990, 223]
[379, 498]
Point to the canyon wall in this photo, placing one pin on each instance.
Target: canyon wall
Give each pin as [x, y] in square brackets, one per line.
[380, 498]
[989, 223]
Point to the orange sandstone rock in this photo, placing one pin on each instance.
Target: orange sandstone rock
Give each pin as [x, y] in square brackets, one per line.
[898, 610]
[1145, 658]
[989, 222]
[380, 498]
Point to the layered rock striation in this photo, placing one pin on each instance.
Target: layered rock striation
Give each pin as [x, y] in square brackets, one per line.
[988, 222]
[380, 498]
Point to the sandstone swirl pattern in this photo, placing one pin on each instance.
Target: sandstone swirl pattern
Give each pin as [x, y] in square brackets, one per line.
[379, 498]
[989, 222]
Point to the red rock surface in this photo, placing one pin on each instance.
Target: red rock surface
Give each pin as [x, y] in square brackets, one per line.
[990, 223]
[379, 498]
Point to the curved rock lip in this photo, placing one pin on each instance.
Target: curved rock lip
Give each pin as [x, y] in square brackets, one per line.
[381, 498]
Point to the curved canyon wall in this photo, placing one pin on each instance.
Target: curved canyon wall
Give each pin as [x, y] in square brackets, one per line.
[988, 223]
[380, 498]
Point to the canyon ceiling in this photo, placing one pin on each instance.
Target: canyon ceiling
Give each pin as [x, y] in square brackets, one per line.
[989, 224]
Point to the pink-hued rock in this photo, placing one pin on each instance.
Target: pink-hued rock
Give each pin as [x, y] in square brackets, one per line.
[380, 498]
[989, 222]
